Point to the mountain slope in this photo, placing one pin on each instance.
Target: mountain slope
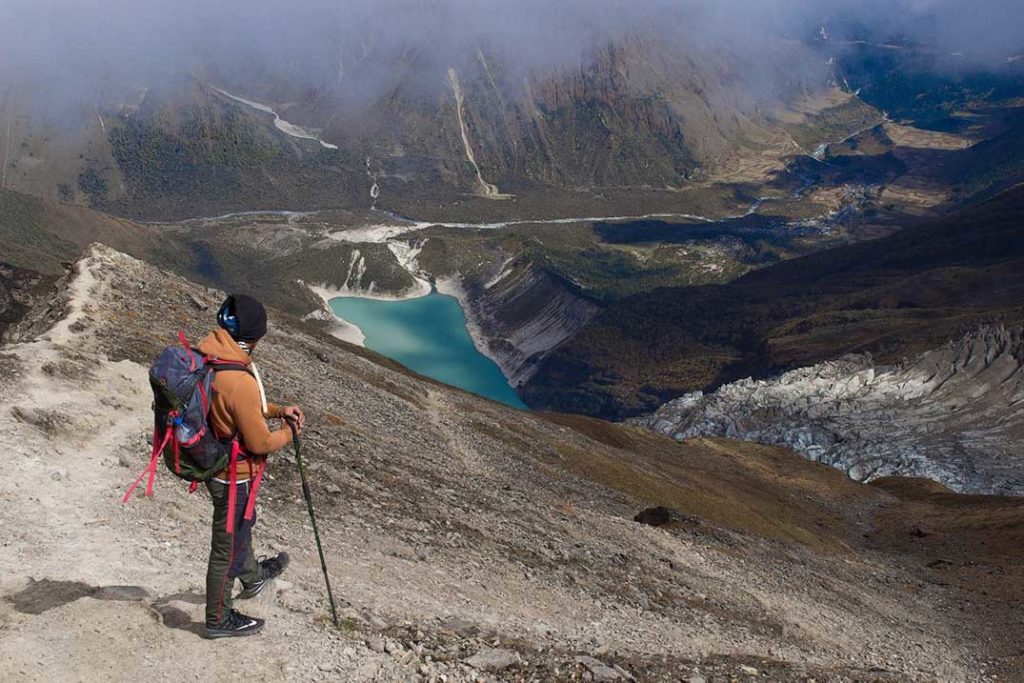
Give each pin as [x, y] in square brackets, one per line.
[16, 289]
[634, 111]
[42, 234]
[454, 525]
[895, 296]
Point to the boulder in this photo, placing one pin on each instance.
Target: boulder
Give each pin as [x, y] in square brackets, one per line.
[493, 659]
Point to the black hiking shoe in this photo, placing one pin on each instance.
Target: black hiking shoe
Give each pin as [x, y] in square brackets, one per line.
[234, 624]
[271, 568]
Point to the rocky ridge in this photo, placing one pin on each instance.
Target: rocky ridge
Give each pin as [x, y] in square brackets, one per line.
[520, 314]
[950, 414]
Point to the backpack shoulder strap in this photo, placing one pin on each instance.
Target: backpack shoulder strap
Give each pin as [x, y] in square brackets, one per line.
[220, 365]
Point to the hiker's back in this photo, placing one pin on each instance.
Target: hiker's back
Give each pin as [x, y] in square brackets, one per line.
[239, 408]
[230, 389]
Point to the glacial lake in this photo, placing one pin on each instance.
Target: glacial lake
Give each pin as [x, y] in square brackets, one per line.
[428, 335]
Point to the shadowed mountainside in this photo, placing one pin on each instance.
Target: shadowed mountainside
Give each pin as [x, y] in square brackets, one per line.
[637, 112]
[893, 297]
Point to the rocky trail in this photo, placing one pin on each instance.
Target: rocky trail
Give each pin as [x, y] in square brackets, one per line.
[469, 541]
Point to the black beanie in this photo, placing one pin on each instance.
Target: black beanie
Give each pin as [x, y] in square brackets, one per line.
[250, 314]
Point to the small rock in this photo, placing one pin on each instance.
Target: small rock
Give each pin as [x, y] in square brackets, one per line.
[56, 476]
[748, 670]
[600, 671]
[696, 678]
[659, 516]
[376, 644]
[123, 593]
[391, 647]
[323, 358]
[200, 306]
[622, 672]
[461, 627]
[493, 659]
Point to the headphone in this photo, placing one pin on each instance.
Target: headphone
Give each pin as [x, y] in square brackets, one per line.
[227, 319]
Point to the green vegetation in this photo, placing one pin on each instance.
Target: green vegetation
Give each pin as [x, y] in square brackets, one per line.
[91, 183]
[834, 124]
[205, 157]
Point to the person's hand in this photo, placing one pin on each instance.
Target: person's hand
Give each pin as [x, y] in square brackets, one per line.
[295, 416]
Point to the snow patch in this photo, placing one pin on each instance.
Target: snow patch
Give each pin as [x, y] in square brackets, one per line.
[486, 188]
[503, 273]
[338, 327]
[327, 291]
[285, 127]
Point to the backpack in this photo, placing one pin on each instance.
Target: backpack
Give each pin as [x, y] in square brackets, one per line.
[182, 383]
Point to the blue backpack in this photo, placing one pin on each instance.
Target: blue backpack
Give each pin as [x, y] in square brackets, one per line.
[182, 383]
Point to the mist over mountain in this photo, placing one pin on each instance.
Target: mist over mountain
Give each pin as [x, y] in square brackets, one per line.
[67, 51]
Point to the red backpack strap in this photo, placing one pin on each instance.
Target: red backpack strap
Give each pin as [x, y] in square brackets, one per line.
[158, 446]
[232, 486]
[250, 507]
[188, 348]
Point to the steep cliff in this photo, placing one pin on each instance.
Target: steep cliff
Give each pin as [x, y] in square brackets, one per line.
[521, 313]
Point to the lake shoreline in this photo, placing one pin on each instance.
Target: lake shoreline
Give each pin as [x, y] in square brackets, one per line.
[451, 286]
[432, 335]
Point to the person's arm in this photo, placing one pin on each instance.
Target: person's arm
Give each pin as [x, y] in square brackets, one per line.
[250, 423]
[274, 411]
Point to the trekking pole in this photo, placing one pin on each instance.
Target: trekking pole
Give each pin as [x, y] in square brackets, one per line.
[312, 516]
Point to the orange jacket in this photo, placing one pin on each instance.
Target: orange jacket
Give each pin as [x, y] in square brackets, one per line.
[237, 408]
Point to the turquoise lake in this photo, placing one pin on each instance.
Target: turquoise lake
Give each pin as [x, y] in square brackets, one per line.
[428, 335]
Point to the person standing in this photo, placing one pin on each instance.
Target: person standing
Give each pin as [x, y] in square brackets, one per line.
[239, 411]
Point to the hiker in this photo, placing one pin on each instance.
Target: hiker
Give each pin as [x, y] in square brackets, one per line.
[239, 410]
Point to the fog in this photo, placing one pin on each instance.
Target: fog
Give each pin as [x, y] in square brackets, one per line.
[68, 50]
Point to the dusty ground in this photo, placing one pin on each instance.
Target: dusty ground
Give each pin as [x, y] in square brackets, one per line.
[471, 541]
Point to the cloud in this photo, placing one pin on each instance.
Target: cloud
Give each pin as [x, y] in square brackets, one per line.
[70, 49]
